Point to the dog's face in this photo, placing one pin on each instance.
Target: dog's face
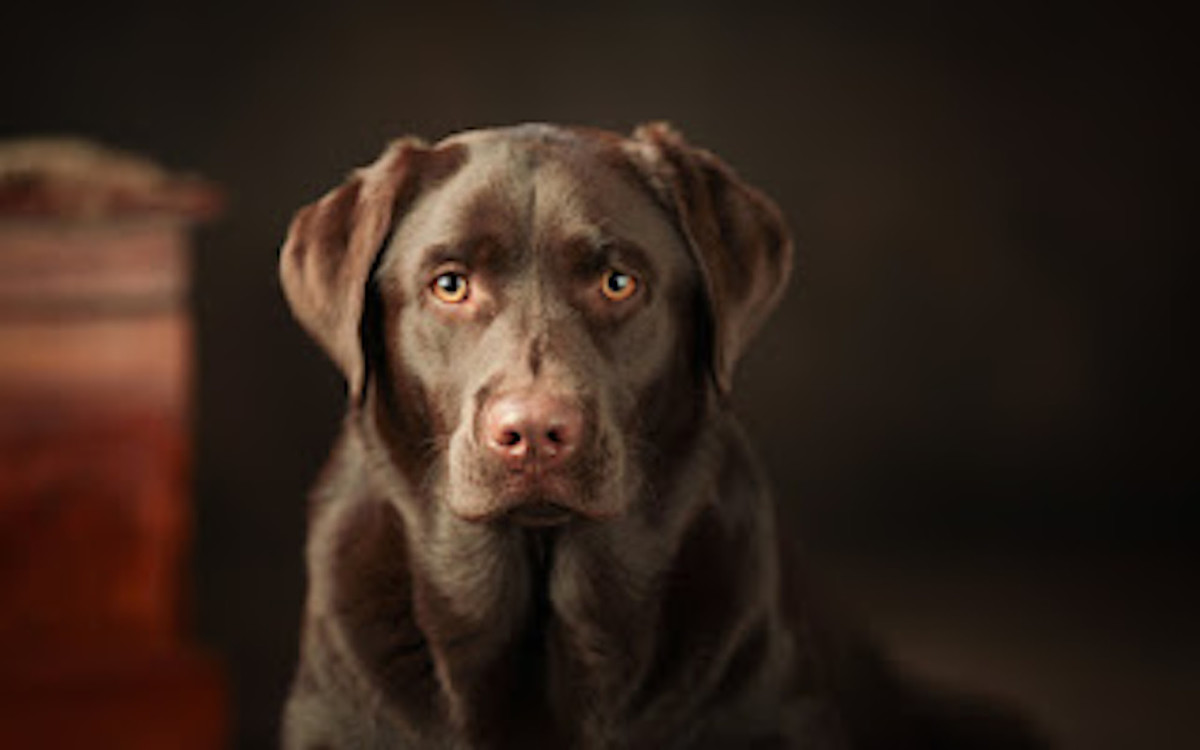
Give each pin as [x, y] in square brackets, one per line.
[531, 311]
[532, 298]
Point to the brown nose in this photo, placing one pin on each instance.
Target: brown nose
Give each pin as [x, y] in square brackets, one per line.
[531, 428]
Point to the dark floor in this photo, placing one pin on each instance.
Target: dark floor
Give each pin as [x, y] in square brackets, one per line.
[1098, 646]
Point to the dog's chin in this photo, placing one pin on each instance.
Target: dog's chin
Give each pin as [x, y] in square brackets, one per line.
[547, 503]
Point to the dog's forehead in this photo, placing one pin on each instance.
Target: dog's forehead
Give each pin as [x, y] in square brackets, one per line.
[542, 188]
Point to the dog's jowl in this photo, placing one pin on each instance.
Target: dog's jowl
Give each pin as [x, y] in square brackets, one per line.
[541, 526]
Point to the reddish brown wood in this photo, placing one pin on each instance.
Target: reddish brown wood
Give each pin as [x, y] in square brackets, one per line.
[95, 363]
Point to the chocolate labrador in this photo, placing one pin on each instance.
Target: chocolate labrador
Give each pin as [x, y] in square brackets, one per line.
[542, 526]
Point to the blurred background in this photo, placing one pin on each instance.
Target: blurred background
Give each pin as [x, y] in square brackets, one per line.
[977, 403]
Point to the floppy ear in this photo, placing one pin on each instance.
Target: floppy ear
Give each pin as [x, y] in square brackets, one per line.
[331, 249]
[736, 234]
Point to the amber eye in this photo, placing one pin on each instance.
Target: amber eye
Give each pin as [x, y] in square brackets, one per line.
[450, 287]
[618, 286]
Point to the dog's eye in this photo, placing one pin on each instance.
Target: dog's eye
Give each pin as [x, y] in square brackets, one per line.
[618, 286]
[450, 286]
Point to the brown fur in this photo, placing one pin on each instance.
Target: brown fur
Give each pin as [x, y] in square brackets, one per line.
[658, 615]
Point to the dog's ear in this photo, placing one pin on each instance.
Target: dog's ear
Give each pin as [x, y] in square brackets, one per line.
[736, 233]
[332, 246]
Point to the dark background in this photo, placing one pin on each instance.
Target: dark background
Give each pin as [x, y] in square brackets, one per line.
[977, 403]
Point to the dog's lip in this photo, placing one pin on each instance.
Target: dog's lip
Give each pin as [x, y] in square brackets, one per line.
[540, 514]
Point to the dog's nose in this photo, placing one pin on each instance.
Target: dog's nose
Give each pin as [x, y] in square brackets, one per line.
[531, 427]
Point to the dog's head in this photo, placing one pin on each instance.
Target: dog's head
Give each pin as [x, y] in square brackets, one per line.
[531, 312]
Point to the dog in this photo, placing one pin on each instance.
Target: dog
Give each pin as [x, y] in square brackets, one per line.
[541, 525]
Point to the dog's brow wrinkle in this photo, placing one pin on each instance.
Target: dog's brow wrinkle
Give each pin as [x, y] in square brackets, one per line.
[536, 350]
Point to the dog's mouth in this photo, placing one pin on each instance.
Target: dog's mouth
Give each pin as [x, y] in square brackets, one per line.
[540, 514]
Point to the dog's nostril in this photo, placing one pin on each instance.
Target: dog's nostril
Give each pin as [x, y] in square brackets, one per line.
[554, 436]
[509, 438]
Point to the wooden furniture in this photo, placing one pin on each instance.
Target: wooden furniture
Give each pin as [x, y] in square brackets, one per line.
[95, 378]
